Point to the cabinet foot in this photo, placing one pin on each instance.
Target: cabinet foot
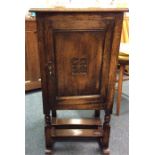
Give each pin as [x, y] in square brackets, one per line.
[48, 152]
[106, 151]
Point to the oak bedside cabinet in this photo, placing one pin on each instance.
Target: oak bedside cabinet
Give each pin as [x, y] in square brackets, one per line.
[78, 58]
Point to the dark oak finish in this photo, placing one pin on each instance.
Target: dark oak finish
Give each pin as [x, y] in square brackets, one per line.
[85, 106]
[68, 123]
[76, 121]
[78, 58]
[32, 69]
[80, 133]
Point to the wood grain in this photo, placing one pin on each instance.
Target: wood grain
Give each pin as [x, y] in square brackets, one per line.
[80, 133]
[69, 121]
[82, 106]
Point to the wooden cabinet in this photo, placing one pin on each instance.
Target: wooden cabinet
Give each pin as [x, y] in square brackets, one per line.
[78, 58]
[32, 69]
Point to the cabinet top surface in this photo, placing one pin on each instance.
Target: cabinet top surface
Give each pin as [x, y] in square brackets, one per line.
[79, 10]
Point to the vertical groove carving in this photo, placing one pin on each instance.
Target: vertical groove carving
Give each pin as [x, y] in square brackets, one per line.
[47, 120]
[50, 66]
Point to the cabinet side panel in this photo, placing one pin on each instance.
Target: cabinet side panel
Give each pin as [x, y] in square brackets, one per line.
[114, 60]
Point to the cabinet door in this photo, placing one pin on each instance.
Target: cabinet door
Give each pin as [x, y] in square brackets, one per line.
[79, 56]
[32, 69]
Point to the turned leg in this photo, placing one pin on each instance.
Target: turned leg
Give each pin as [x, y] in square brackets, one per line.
[97, 113]
[120, 81]
[48, 140]
[106, 133]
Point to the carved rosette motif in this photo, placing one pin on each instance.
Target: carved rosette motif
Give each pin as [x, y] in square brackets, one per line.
[79, 65]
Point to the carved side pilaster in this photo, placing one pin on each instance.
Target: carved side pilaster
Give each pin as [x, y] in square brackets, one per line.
[51, 69]
[47, 120]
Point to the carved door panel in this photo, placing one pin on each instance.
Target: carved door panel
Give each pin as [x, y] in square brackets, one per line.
[78, 56]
